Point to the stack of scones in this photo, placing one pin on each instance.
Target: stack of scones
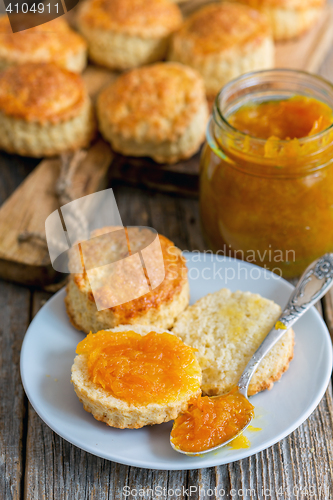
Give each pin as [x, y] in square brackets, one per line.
[156, 109]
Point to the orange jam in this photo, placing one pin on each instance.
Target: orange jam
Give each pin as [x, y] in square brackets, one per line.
[141, 369]
[209, 422]
[240, 443]
[266, 176]
[289, 119]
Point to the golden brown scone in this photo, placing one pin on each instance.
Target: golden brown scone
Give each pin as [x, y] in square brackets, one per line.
[54, 42]
[227, 328]
[158, 111]
[122, 414]
[44, 110]
[158, 308]
[124, 34]
[289, 18]
[222, 41]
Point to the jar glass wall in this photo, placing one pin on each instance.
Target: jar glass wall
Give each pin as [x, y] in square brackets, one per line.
[272, 207]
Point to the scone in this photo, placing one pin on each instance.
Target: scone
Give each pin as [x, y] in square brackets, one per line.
[54, 42]
[158, 307]
[158, 111]
[44, 110]
[289, 18]
[130, 377]
[222, 41]
[227, 328]
[124, 34]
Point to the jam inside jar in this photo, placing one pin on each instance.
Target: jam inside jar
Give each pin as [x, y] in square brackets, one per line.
[266, 176]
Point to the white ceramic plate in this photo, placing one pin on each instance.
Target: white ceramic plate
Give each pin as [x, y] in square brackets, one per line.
[49, 349]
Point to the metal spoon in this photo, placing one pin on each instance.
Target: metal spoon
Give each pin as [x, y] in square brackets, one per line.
[316, 280]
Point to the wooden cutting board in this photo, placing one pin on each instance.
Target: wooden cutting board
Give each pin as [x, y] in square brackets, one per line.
[27, 209]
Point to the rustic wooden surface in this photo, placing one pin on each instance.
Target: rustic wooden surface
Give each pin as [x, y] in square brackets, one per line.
[36, 464]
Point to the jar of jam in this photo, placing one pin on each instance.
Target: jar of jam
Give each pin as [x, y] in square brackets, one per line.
[266, 177]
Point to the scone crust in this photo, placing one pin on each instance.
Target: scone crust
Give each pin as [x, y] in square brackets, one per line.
[216, 28]
[222, 41]
[158, 111]
[227, 340]
[41, 92]
[289, 4]
[288, 19]
[47, 139]
[125, 34]
[54, 42]
[116, 413]
[44, 110]
[158, 308]
[144, 18]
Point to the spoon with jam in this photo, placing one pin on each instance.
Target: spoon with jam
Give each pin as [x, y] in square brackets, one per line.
[212, 422]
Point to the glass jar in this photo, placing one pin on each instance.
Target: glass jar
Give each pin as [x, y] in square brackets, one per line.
[273, 210]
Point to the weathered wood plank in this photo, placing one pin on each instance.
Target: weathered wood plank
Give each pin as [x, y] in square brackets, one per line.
[14, 318]
[14, 170]
[300, 463]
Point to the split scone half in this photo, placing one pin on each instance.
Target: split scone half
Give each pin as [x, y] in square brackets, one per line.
[51, 42]
[159, 111]
[222, 41]
[44, 110]
[289, 18]
[124, 34]
[159, 307]
[227, 328]
[129, 377]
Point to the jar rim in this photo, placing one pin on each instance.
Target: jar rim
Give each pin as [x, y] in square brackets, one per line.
[218, 115]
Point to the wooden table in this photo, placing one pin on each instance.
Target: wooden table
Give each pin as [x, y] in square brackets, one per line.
[37, 464]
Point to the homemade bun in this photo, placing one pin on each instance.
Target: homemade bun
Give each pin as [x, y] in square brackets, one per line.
[158, 111]
[123, 34]
[289, 18]
[54, 42]
[227, 328]
[158, 308]
[44, 110]
[222, 41]
[120, 413]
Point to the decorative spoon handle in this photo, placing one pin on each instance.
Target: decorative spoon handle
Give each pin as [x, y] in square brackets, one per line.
[316, 280]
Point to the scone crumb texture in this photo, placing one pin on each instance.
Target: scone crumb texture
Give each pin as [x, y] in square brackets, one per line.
[226, 329]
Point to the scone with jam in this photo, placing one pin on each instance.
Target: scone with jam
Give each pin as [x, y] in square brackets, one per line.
[132, 376]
